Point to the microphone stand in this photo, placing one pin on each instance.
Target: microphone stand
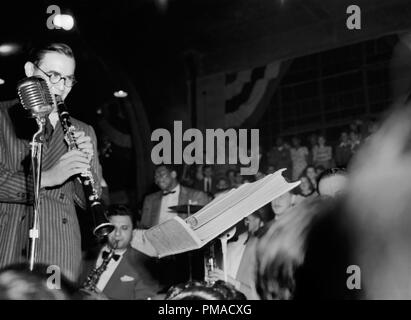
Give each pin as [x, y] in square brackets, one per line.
[36, 160]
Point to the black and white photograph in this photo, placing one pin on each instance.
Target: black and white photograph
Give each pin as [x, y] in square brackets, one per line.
[226, 150]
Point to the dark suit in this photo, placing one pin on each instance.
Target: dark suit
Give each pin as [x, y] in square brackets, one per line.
[59, 240]
[152, 203]
[134, 277]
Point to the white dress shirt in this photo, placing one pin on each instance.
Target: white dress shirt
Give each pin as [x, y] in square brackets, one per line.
[111, 267]
[54, 118]
[168, 201]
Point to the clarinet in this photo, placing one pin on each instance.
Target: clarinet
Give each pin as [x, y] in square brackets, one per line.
[91, 282]
[102, 227]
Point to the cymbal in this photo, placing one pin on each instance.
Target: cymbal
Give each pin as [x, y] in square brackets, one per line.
[183, 208]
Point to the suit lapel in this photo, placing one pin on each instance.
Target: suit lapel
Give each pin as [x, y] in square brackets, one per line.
[115, 287]
[55, 149]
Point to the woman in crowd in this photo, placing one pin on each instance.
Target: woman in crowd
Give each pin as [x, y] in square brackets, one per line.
[322, 154]
[305, 190]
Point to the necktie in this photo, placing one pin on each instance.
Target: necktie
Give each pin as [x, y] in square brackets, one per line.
[166, 193]
[106, 253]
[48, 131]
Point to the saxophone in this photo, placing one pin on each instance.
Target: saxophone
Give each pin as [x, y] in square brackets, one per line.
[90, 283]
[102, 227]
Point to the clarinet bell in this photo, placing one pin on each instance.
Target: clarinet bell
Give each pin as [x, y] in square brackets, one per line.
[102, 226]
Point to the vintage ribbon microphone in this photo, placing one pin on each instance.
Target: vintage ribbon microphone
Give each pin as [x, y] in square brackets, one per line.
[35, 96]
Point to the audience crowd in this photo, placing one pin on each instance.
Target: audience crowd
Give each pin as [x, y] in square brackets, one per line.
[304, 160]
[303, 244]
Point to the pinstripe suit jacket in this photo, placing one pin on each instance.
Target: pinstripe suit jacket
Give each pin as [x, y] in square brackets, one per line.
[59, 240]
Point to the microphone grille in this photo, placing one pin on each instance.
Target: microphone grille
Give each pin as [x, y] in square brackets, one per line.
[35, 96]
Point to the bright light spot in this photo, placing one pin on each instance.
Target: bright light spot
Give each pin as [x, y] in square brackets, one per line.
[8, 48]
[2, 81]
[162, 4]
[64, 21]
[120, 94]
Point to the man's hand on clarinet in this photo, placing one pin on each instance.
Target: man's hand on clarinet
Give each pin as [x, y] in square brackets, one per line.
[72, 163]
[84, 143]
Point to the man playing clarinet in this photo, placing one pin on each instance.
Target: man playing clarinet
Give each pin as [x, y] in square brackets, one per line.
[59, 241]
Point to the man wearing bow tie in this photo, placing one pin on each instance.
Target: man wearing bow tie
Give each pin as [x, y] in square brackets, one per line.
[175, 269]
[156, 205]
[130, 274]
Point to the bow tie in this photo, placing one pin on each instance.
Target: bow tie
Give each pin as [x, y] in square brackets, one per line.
[166, 193]
[106, 253]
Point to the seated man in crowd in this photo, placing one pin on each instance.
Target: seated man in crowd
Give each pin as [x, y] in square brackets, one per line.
[156, 205]
[129, 274]
[156, 209]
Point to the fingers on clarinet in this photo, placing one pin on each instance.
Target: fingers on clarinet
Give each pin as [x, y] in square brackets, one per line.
[83, 139]
[75, 163]
[78, 134]
[80, 165]
[78, 156]
[71, 153]
[76, 171]
[81, 159]
[86, 147]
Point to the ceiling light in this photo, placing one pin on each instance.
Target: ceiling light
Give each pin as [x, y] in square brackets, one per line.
[120, 94]
[64, 21]
[8, 48]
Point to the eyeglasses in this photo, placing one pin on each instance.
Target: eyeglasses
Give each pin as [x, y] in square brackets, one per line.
[55, 78]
